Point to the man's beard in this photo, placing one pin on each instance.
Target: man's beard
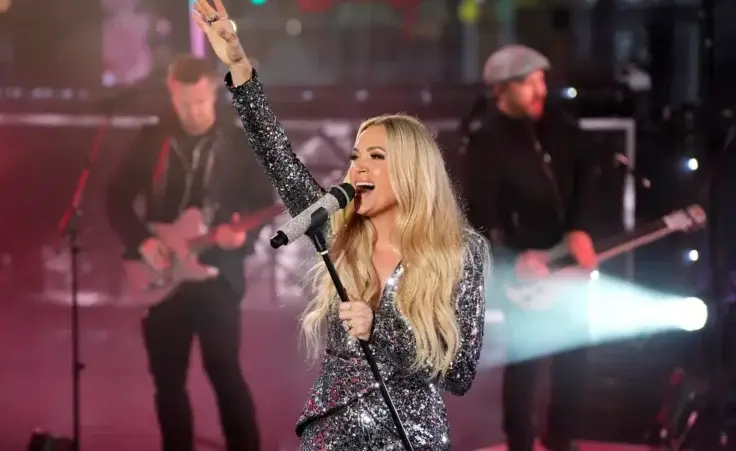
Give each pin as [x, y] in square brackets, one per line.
[536, 109]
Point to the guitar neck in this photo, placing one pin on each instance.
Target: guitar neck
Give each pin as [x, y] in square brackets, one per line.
[619, 244]
[634, 243]
[245, 224]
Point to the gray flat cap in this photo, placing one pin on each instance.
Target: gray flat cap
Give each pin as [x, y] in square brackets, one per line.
[513, 62]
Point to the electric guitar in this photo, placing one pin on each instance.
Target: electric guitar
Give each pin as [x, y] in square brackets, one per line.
[186, 238]
[540, 294]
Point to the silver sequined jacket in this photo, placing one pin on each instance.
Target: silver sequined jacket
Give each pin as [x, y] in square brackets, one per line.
[345, 376]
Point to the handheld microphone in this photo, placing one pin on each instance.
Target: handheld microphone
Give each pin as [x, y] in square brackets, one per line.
[336, 199]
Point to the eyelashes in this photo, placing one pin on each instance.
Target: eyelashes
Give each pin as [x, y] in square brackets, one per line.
[373, 157]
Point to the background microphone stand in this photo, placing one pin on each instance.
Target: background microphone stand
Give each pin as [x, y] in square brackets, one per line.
[69, 228]
[318, 221]
[468, 123]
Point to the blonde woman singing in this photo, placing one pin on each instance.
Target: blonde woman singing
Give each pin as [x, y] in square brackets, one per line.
[413, 268]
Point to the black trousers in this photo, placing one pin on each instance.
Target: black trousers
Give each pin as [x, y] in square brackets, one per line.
[530, 335]
[211, 312]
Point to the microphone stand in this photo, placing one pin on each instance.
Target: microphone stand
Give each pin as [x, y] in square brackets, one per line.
[464, 129]
[69, 228]
[318, 221]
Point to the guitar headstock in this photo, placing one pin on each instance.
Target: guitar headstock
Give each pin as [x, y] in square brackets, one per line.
[686, 220]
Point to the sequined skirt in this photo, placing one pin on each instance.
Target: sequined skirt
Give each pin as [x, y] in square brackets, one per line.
[366, 425]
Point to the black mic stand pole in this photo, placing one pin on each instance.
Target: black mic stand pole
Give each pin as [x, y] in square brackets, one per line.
[69, 228]
[319, 219]
[465, 128]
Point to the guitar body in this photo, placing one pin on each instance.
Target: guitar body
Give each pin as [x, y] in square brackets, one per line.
[186, 238]
[150, 286]
[542, 294]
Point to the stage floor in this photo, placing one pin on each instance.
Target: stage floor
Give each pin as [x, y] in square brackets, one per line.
[117, 394]
[585, 446]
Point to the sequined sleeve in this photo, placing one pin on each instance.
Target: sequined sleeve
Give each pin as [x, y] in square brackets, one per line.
[292, 180]
[471, 309]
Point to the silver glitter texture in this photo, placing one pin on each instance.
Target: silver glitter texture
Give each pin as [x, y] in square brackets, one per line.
[345, 410]
[300, 223]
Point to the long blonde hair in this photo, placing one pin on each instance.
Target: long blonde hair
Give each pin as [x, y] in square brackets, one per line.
[430, 226]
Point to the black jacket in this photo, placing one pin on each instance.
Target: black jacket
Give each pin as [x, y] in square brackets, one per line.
[236, 184]
[529, 183]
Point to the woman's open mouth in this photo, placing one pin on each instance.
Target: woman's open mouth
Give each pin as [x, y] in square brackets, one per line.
[364, 187]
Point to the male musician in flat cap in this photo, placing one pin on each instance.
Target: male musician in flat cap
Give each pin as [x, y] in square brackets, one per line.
[530, 187]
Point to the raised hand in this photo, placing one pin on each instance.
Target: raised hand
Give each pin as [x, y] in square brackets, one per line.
[220, 31]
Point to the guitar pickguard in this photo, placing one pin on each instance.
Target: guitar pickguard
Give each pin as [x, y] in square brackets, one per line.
[541, 294]
[153, 286]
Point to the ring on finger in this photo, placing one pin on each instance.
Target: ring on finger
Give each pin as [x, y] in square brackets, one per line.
[213, 18]
[348, 327]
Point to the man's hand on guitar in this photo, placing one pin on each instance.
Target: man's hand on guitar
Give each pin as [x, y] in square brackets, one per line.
[155, 253]
[581, 247]
[532, 264]
[227, 237]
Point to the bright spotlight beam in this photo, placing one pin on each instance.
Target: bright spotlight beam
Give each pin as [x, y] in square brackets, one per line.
[693, 314]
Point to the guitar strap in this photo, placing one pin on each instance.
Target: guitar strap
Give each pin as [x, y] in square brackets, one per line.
[210, 191]
[162, 164]
[160, 173]
[545, 159]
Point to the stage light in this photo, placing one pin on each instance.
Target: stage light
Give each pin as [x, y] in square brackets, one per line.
[692, 164]
[569, 93]
[595, 275]
[693, 255]
[258, 2]
[693, 314]
[293, 27]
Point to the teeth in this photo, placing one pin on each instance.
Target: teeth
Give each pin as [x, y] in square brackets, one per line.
[367, 186]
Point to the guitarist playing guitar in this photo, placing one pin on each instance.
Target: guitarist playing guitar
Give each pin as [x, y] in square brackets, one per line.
[197, 166]
[530, 188]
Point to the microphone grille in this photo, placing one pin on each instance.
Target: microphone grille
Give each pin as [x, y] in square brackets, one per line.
[344, 193]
